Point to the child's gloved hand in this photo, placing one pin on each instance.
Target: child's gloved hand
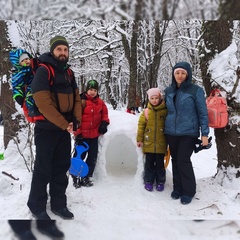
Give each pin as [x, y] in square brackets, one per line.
[103, 127]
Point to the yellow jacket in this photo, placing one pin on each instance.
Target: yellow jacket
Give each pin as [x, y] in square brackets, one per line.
[151, 129]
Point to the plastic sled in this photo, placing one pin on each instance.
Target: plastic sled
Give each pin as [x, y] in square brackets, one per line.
[78, 167]
[167, 158]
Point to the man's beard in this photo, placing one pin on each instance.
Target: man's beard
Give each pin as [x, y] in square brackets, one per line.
[61, 58]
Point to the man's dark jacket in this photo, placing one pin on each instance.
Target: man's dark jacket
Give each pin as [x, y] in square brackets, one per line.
[44, 95]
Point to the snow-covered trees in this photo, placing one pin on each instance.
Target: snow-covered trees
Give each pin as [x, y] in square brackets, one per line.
[110, 9]
[129, 57]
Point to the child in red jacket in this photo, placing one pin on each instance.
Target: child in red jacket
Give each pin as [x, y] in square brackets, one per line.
[94, 123]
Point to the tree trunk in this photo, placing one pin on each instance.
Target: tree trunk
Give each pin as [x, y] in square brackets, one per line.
[133, 67]
[229, 10]
[109, 93]
[131, 53]
[157, 49]
[7, 106]
[217, 36]
[229, 142]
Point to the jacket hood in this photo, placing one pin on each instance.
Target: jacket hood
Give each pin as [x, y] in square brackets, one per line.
[161, 105]
[187, 67]
[47, 57]
[85, 96]
[14, 56]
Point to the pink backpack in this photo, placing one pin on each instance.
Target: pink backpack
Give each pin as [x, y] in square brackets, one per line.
[217, 110]
[146, 113]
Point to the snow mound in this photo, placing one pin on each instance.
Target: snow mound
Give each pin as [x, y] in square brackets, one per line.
[118, 153]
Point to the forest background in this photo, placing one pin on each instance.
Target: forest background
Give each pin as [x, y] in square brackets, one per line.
[182, 43]
[130, 46]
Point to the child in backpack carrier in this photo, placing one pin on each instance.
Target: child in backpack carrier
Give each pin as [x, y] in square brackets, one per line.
[22, 77]
[94, 123]
[150, 136]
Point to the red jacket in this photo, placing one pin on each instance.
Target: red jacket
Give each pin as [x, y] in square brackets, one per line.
[94, 112]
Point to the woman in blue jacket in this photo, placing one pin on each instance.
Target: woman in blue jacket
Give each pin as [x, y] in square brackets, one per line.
[187, 118]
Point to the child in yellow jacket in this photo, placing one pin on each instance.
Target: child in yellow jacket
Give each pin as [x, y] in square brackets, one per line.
[150, 136]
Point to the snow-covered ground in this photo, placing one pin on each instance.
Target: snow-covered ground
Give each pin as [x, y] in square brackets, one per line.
[118, 207]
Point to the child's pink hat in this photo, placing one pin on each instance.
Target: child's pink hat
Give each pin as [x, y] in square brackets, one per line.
[153, 92]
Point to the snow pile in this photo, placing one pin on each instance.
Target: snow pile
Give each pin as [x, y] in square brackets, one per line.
[118, 152]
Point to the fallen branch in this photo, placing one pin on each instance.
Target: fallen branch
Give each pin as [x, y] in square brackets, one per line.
[231, 223]
[211, 206]
[10, 175]
[236, 83]
[237, 196]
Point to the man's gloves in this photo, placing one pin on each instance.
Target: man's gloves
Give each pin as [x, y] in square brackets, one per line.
[79, 139]
[103, 127]
[199, 147]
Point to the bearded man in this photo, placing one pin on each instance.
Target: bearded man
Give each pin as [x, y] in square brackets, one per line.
[56, 95]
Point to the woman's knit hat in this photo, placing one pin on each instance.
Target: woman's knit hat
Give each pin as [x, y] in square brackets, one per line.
[153, 92]
[180, 68]
[92, 84]
[57, 40]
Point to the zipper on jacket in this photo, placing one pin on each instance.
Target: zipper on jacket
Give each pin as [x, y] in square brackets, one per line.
[175, 105]
[155, 132]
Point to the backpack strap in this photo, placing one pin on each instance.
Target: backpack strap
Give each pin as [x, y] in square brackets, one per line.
[35, 64]
[51, 72]
[51, 77]
[71, 78]
[70, 74]
[146, 113]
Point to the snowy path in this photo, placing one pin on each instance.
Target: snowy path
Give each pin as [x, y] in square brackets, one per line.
[138, 229]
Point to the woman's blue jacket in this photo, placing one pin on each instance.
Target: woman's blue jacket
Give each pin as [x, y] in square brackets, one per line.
[187, 111]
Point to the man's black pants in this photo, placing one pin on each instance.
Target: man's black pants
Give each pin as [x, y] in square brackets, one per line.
[53, 156]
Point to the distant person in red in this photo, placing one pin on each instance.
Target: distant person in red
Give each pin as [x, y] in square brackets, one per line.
[131, 110]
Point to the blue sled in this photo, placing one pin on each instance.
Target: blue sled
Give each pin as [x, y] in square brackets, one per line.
[78, 167]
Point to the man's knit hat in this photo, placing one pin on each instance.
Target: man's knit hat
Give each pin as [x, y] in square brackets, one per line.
[153, 92]
[58, 40]
[92, 84]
